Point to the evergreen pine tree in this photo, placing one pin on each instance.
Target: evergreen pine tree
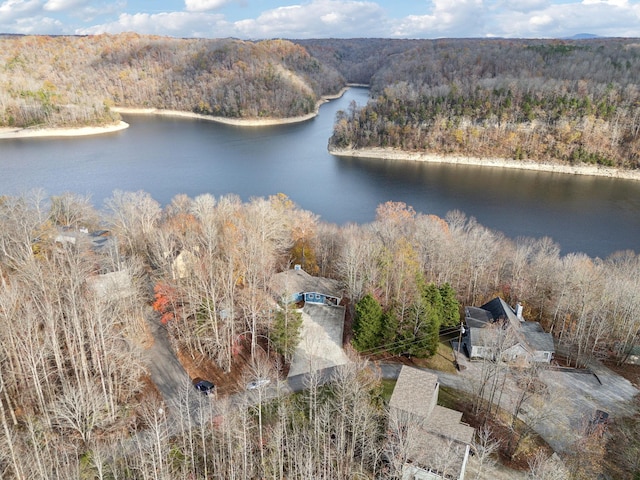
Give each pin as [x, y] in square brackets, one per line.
[286, 330]
[367, 325]
[431, 295]
[391, 333]
[451, 307]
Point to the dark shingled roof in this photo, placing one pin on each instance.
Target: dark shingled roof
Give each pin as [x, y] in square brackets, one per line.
[530, 334]
[477, 317]
[537, 339]
[500, 310]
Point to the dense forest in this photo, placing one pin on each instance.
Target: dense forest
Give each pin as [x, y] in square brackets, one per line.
[358, 59]
[76, 400]
[70, 81]
[567, 101]
[540, 100]
[82, 289]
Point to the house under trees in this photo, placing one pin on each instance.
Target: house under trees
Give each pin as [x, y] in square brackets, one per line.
[497, 331]
[322, 315]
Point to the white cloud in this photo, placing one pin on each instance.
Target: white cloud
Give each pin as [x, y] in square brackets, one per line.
[319, 19]
[61, 5]
[329, 18]
[332, 18]
[91, 11]
[614, 3]
[182, 24]
[34, 26]
[524, 5]
[540, 21]
[561, 20]
[17, 9]
[463, 18]
[204, 5]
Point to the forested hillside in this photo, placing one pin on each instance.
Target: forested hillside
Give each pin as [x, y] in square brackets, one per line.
[81, 290]
[568, 101]
[542, 100]
[71, 81]
[76, 401]
[357, 59]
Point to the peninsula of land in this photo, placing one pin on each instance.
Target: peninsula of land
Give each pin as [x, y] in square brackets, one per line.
[396, 154]
[14, 132]
[241, 122]
[31, 132]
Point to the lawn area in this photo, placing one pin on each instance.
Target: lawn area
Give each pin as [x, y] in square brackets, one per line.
[387, 389]
[442, 360]
[454, 399]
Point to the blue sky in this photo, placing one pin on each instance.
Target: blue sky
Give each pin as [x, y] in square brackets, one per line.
[258, 19]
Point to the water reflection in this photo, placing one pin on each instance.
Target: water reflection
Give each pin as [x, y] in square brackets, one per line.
[590, 214]
[167, 156]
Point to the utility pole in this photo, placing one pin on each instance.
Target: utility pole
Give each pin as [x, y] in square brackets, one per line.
[459, 343]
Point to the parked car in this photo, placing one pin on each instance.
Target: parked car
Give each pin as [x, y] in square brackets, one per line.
[257, 383]
[598, 422]
[204, 386]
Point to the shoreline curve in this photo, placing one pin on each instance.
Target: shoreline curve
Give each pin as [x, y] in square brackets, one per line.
[395, 154]
[12, 132]
[239, 122]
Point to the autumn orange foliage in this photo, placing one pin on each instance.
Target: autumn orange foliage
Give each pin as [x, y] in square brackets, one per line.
[164, 301]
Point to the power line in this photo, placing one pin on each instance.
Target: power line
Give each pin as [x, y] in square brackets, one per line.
[399, 343]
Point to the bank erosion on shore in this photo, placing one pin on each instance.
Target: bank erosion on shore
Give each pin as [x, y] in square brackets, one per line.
[395, 154]
[241, 122]
[8, 132]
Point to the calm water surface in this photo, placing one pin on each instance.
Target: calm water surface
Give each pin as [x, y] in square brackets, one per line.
[166, 156]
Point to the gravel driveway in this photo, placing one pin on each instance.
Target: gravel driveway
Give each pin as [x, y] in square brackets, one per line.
[321, 340]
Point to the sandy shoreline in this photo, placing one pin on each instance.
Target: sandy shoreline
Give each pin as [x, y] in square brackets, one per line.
[12, 132]
[394, 154]
[241, 122]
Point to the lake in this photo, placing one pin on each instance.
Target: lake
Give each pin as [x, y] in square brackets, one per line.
[166, 156]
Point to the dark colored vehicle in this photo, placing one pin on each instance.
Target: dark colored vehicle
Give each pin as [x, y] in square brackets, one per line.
[598, 423]
[204, 386]
[600, 417]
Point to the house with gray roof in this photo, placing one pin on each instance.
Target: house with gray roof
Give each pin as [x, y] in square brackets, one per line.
[436, 442]
[296, 285]
[497, 330]
[322, 318]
